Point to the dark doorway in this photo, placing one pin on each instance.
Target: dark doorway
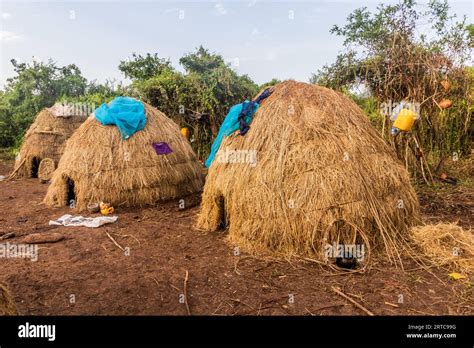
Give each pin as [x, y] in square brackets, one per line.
[71, 193]
[35, 162]
[222, 212]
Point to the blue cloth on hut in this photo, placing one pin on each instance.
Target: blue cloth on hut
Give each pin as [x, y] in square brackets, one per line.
[128, 114]
[239, 117]
[230, 125]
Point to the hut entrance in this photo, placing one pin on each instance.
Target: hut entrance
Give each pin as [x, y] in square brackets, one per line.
[35, 162]
[71, 193]
[222, 214]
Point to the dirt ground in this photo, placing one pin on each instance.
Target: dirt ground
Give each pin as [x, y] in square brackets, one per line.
[86, 273]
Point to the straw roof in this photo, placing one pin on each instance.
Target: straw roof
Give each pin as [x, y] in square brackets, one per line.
[311, 171]
[100, 166]
[46, 138]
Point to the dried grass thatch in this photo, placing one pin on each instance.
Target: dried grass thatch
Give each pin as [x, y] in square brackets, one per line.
[46, 169]
[7, 306]
[322, 176]
[46, 138]
[97, 165]
[447, 245]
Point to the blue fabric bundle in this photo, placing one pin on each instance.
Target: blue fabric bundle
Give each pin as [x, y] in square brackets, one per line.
[128, 114]
[239, 117]
[230, 125]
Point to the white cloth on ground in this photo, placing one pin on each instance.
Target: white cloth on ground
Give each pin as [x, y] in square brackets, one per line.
[69, 220]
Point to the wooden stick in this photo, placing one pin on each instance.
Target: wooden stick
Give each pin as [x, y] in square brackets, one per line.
[417, 143]
[186, 293]
[340, 293]
[115, 242]
[176, 288]
[12, 174]
[391, 304]
[7, 235]
[239, 301]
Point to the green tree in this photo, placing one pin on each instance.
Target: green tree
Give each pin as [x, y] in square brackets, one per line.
[144, 67]
[404, 52]
[98, 93]
[36, 85]
[202, 61]
[199, 98]
[270, 83]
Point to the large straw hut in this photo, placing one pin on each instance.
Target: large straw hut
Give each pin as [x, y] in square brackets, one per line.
[98, 165]
[44, 141]
[310, 172]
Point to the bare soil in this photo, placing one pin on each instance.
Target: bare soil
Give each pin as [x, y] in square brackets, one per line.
[86, 273]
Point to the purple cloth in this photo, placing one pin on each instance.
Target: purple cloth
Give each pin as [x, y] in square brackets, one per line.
[162, 148]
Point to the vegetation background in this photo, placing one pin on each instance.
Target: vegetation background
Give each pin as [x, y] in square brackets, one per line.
[388, 57]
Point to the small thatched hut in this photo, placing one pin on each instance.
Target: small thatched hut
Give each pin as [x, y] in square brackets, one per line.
[98, 165]
[46, 138]
[310, 172]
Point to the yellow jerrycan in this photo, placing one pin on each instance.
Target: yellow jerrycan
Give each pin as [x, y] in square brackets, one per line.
[405, 120]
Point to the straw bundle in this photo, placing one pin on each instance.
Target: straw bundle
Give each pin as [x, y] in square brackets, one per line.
[447, 245]
[45, 138]
[7, 306]
[322, 175]
[46, 169]
[97, 165]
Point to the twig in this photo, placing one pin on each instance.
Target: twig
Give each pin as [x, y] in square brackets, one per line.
[239, 301]
[128, 235]
[7, 235]
[340, 293]
[175, 287]
[186, 293]
[392, 304]
[12, 174]
[154, 279]
[420, 312]
[219, 306]
[235, 267]
[422, 157]
[115, 242]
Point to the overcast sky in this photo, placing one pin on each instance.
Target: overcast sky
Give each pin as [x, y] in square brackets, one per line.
[264, 39]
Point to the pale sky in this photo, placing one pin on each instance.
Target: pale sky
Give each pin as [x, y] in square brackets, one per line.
[264, 39]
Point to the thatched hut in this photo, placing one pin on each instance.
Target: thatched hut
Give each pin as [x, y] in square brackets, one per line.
[99, 165]
[45, 140]
[310, 172]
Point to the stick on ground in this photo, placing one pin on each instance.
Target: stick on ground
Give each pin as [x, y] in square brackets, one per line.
[12, 175]
[115, 242]
[186, 293]
[340, 293]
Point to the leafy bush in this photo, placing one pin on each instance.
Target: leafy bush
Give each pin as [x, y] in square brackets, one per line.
[386, 54]
[198, 99]
[35, 86]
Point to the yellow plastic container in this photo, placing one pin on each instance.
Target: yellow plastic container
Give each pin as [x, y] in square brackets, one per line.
[405, 120]
[185, 132]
